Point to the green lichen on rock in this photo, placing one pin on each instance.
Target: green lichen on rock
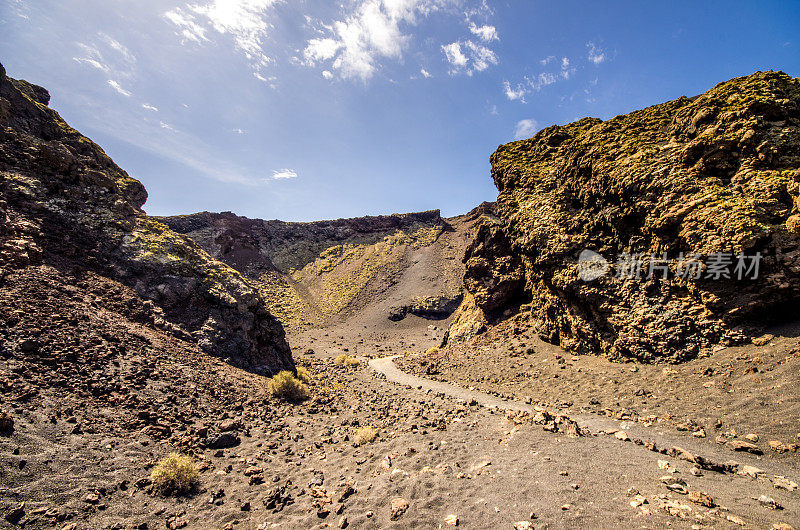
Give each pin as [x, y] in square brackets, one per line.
[714, 173]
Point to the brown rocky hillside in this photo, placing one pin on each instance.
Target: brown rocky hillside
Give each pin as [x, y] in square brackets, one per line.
[65, 205]
[373, 268]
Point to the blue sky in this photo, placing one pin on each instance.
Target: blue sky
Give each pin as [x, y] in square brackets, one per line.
[305, 109]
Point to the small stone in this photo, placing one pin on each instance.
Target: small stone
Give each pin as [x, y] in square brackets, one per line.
[245, 507]
[784, 483]
[735, 519]
[6, 423]
[740, 445]
[91, 498]
[523, 525]
[763, 340]
[399, 507]
[622, 435]
[751, 437]
[369, 514]
[16, 514]
[342, 522]
[782, 526]
[769, 502]
[750, 471]
[699, 433]
[451, 520]
[703, 499]
[777, 446]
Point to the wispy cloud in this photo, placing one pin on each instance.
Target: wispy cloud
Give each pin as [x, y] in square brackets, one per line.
[371, 31]
[486, 33]
[468, 57]
[147, 106]
[515, 93]
[280, 174]
[596, 55]
[426, 74]
[246, 21]
[525, 129]
[113, 84]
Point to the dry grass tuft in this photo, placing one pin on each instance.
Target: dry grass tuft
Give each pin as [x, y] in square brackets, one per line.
[175, 475]
[365, 435]
[346, 360]
[303, 374]
[287, 387]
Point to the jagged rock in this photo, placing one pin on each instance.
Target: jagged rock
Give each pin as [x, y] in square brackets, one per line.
[65, 203]
[223, 440]
[715, 173]
[431, 307]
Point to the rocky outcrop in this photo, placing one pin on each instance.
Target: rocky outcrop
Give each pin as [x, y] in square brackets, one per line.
[64, 203]
[253, 246]
[493, 278]
[430, 307]
[638, 236]
[318, 271]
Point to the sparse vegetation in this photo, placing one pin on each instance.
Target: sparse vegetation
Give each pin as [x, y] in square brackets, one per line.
[303, 374]
[175, 474]
[365, 435]
[346, 360]
[432, 351]
[288, 387]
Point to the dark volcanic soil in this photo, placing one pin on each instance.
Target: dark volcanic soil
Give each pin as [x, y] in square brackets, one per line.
[102, 395]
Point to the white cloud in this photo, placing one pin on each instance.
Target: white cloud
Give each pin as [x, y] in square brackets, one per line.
[149, 107]
[454, 54]
[370, 31]
[486, 33]
[468, 57]
[547, 60]
[107, 55]
[425, 73]
[244, 20]
[279, 174]
[596, 55]
[327, 74]
[165, 125]
[514, 93]
[118, 47]
[94, 63]
[113, 84]
[525, 129]
[238, 131]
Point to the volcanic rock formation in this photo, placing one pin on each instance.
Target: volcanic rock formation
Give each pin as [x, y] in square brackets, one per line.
[693, 182]
[65, 204]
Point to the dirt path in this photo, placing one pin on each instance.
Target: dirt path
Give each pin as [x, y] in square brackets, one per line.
[742, 483]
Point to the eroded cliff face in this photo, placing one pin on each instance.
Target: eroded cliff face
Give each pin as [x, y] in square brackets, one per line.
[65, 204]
[715, 175]
[319, 272]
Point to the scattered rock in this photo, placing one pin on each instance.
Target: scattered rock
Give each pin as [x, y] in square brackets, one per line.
[398, 508]
[223, 440]
[703, 499]
[747, 447]
[769, 502]
[451, 520]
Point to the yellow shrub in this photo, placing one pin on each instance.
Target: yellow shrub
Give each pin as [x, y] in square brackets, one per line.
[175, 475]
[432, 351]
[365, 435]
[287, 387]
[303, 374]
[346, 360]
